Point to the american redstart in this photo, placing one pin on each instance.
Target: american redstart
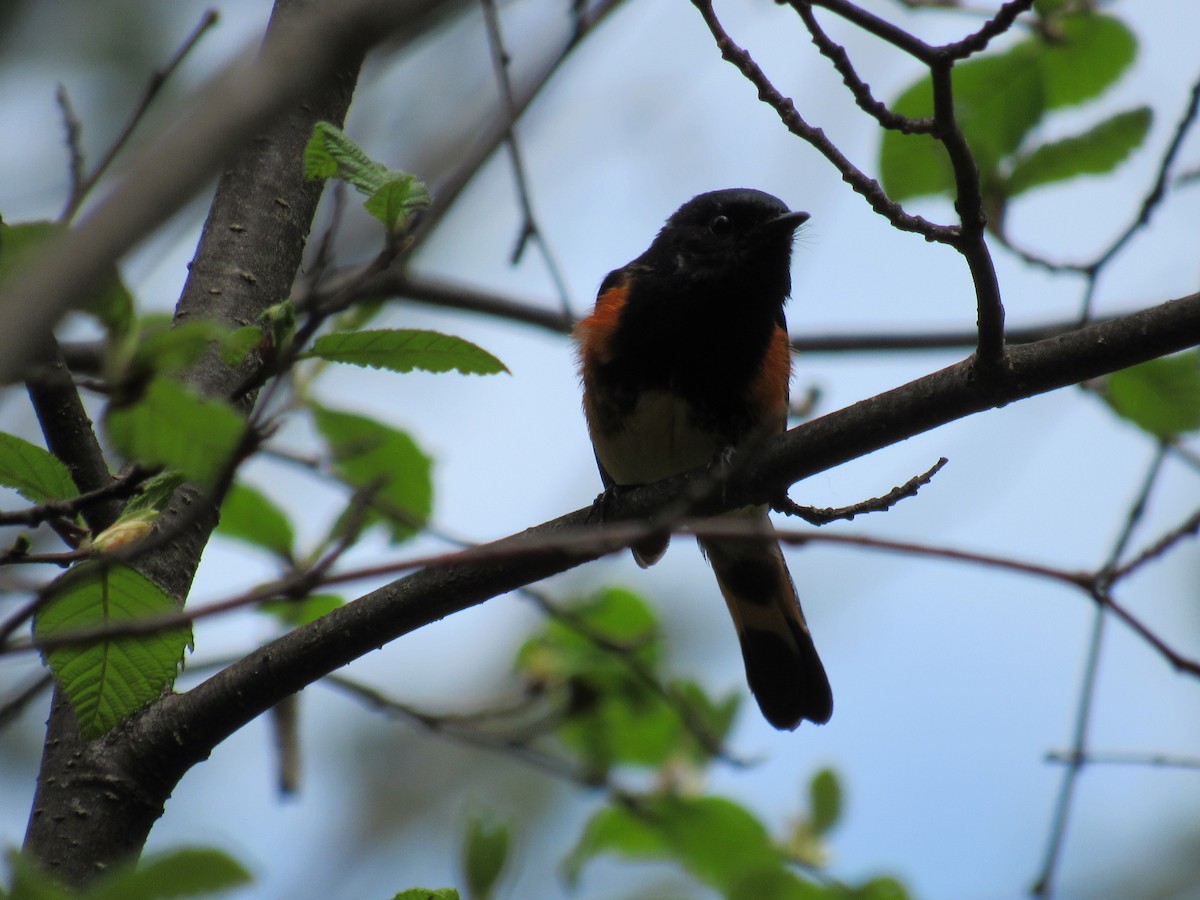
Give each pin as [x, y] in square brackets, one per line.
[685, 358]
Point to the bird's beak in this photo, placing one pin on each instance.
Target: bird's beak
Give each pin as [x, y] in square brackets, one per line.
[785, 224]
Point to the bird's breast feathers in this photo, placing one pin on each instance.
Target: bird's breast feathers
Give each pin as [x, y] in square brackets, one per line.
[653, 440]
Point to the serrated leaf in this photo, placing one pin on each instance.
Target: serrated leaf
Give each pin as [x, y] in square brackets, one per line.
[186, 872]
[173, 427]
[1162, 396]
[35, 473]
[1087, 55]
[331, 153]
[249, 515]
[402, 350]
[1098, 150]
[484, 853]
[428, 894]
[111, 678]
[825, 801]
[396, 199]
[295, 613]
[715, 839]
[391, 195]
[373, 457]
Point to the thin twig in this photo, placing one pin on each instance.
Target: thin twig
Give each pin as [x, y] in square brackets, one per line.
[1188, 528]
[823, 516]
[452, 728]
[12, 708]
[867, 187]
[861, 91]
[999, 24]
[122, 488]
[74, 134]
[447, 294]
[1113, 758]
[881, 28]
[81, 185]
[1153, 197]
[968, 202]
[1043, 886]
[530, 231]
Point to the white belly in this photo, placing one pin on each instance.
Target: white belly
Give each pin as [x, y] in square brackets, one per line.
[658, 441]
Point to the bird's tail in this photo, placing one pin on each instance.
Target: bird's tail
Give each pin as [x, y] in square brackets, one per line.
[782, 665]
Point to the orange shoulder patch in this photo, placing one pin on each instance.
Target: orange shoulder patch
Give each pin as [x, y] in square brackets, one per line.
[769, 392]
[594, 334]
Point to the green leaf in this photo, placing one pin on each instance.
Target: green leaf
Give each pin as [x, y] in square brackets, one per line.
[1161, 396]
[186, 872]
[111, 678]
[1098, 150]
[330, 153]
[156, 493]
[715, 716]
[714, 839]
[35, 474]
[825, 801]
[484, 853]
[385, 462]
[402, 350]
[249, 515]
[1088, 54]
[391, 195]
[612, 715]
[994, 123]
[396, 199]
[173, 427]
[914, 165]
[616, 615]
[428, 894]
[295, 613]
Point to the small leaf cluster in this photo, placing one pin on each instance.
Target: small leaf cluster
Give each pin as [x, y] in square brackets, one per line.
[1003, 102]
[602, 657]
[393, 197]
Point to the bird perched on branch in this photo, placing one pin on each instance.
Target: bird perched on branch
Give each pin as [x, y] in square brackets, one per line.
[685, 358]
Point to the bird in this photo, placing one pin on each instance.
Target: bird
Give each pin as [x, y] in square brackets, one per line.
[685, 359]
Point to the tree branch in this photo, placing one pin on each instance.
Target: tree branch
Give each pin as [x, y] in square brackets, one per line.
[219, 706]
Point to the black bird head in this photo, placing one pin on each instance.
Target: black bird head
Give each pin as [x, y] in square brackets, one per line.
[737, 235]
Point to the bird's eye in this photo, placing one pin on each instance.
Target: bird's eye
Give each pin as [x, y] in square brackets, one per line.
[720, 225]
